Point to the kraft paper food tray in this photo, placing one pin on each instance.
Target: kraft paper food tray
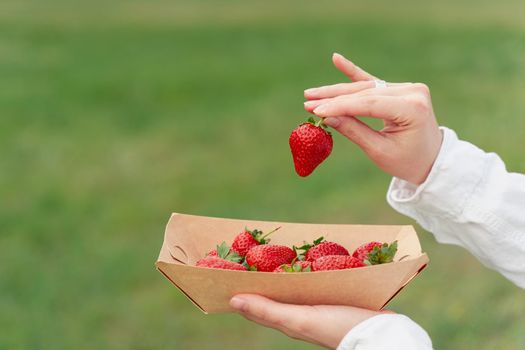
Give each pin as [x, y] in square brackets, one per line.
[187, 239]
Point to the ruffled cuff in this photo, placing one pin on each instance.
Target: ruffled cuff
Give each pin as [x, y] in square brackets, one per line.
[456, 172]
[386, 331]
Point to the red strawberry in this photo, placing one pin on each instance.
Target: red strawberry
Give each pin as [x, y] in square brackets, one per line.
[224, 252]
[374, 253]
[336, 262]
[212, 252]
[219, 263]
[247, 239]
[268, 257]
[321, 248]
[362, 251]
[310, 144]
[298, 266]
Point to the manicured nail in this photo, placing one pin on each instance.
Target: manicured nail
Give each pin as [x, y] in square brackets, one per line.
[311, 91]
[333, 122]
[310, 103]
[237, 303]
[320, 110]
[343, 57]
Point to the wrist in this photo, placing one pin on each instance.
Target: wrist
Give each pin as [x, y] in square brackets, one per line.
[429, 161]
[457, 170]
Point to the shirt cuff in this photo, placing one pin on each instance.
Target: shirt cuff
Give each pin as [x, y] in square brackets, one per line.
[456, 172]
[386, 331]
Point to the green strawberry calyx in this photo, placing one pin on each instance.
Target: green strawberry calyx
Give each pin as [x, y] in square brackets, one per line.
[295, 267]
[249, 267]
[319, 123]
[259, 236]
[301, 251]
[381, 255]
[224, 252]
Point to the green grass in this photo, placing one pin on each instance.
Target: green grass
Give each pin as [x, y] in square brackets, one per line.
[114, 115]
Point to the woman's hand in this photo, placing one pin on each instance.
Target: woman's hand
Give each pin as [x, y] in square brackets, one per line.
[324, 325]
[408, 144]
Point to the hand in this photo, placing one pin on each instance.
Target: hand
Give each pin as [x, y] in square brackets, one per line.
[324, 325]
[408, 144]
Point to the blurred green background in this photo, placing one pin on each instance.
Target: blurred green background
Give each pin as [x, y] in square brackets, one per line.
[114, 114]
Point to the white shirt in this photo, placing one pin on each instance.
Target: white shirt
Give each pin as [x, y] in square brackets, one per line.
[470, 200]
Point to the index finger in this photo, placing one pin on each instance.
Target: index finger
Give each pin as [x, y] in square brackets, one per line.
[375, 106]
[328, 91]
[349, 69]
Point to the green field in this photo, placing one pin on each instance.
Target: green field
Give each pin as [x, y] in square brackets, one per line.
[113, 114]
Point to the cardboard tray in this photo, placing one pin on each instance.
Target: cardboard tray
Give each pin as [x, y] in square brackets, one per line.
[187, 239]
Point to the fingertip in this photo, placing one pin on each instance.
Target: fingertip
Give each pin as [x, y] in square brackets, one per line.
[238, 303]
[332, 122]
[310, 93]
[320, 110]
[310, 105]
[337, 58]
[306, 107]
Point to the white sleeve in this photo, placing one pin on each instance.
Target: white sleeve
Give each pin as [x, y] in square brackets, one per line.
[387, 331]
[469, 199]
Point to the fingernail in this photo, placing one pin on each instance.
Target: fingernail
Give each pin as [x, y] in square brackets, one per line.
[237, 303]
[311, 91]
[310, 103]
[320, 110]
[343, 57]
[332, 122]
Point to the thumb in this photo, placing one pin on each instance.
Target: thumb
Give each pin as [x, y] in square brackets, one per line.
[270, 312]
[358, 132]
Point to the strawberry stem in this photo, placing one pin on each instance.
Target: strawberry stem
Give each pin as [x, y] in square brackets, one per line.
[269, 233]
[320, 123]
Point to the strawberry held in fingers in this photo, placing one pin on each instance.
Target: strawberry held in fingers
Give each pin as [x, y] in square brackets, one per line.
[310, 144]
[248, 239]
[336, 262]
[268, 257]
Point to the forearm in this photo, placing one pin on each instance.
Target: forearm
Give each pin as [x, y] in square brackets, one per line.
[469, 199]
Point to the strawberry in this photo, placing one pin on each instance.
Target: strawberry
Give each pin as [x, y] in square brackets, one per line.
[321, 248]
[336, 262]
[212, 252]
[247, 239]
[310, 144]
[268, 257]
[297, 266]
[374, 253]
[224, 252]
[362, 251]
[219, 263]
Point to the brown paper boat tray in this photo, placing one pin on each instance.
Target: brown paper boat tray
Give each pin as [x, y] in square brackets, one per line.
[187, 238]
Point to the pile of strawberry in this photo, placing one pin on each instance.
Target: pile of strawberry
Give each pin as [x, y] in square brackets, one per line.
[251, 251]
